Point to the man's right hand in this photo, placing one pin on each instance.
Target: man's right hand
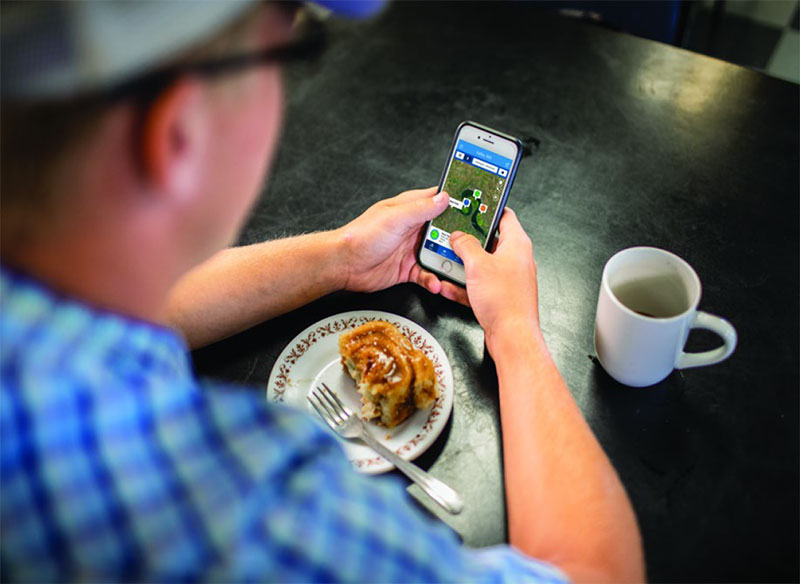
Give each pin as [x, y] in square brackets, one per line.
[501, 286]
[565, 502]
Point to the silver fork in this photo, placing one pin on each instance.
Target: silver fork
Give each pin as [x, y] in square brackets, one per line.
[344, 422]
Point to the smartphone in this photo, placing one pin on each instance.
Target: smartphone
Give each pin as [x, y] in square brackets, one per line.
[478, 176]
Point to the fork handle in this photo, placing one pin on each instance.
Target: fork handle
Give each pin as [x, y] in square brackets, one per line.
[436, 489]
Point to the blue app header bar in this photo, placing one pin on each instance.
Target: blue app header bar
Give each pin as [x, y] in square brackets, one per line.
[476, 152]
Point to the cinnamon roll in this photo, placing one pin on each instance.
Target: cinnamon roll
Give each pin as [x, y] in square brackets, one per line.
[393, 377]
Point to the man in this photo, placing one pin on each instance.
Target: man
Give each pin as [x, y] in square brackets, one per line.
[120, 186]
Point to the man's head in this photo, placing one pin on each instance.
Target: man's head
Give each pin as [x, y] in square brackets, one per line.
[195, 149]
[146, 178]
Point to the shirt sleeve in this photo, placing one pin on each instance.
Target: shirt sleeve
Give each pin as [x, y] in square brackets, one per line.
[317, 519]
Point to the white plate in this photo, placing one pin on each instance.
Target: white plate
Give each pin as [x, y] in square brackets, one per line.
[313, 357]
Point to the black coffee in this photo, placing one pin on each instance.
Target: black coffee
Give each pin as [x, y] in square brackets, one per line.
[645, 314]
[655, 296]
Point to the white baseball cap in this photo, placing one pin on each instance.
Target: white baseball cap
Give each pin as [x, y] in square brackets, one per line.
[56, 50]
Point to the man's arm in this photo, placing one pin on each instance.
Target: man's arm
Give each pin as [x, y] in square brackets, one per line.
[566, 504]
[240, 287]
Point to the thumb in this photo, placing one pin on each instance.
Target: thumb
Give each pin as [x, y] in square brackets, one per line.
[467, 247]
[417, 211]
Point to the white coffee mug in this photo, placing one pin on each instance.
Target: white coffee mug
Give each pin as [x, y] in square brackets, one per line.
[647, 306]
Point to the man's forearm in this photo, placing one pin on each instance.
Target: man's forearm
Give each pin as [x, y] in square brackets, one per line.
[240, 287]
[565, 501]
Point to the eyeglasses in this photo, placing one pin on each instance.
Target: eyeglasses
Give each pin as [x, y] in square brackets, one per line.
[311, 41]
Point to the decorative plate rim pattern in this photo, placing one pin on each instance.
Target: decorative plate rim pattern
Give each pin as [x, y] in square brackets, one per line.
[280, 377]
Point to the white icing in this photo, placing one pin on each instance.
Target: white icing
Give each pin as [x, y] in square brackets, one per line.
[386, 360]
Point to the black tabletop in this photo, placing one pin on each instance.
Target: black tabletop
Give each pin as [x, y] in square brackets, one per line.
[629, 142]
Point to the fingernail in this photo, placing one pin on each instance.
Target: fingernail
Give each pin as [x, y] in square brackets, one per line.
[438, 198]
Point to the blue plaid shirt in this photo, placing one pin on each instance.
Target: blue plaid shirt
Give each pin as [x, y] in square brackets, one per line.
[117, 464]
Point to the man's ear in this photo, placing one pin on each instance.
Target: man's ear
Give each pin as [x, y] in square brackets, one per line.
[173, 141]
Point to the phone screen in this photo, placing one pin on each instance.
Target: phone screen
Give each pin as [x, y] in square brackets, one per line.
[475, 182]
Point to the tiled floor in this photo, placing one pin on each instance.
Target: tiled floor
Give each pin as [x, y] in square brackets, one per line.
[761, 34]
[784, 60]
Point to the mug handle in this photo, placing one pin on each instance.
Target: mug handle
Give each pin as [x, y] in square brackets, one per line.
[703, 320]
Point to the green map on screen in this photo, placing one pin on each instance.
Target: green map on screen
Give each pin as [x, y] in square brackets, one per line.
[474, 196]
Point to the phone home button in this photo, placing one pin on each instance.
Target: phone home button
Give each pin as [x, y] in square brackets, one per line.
[447, 266]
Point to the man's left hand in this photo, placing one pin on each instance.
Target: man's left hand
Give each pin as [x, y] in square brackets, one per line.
[380, 246]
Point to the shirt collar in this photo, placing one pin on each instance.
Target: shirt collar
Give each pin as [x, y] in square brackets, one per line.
[28, 304]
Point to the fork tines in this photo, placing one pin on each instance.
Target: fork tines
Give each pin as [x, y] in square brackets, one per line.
[328, 405]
